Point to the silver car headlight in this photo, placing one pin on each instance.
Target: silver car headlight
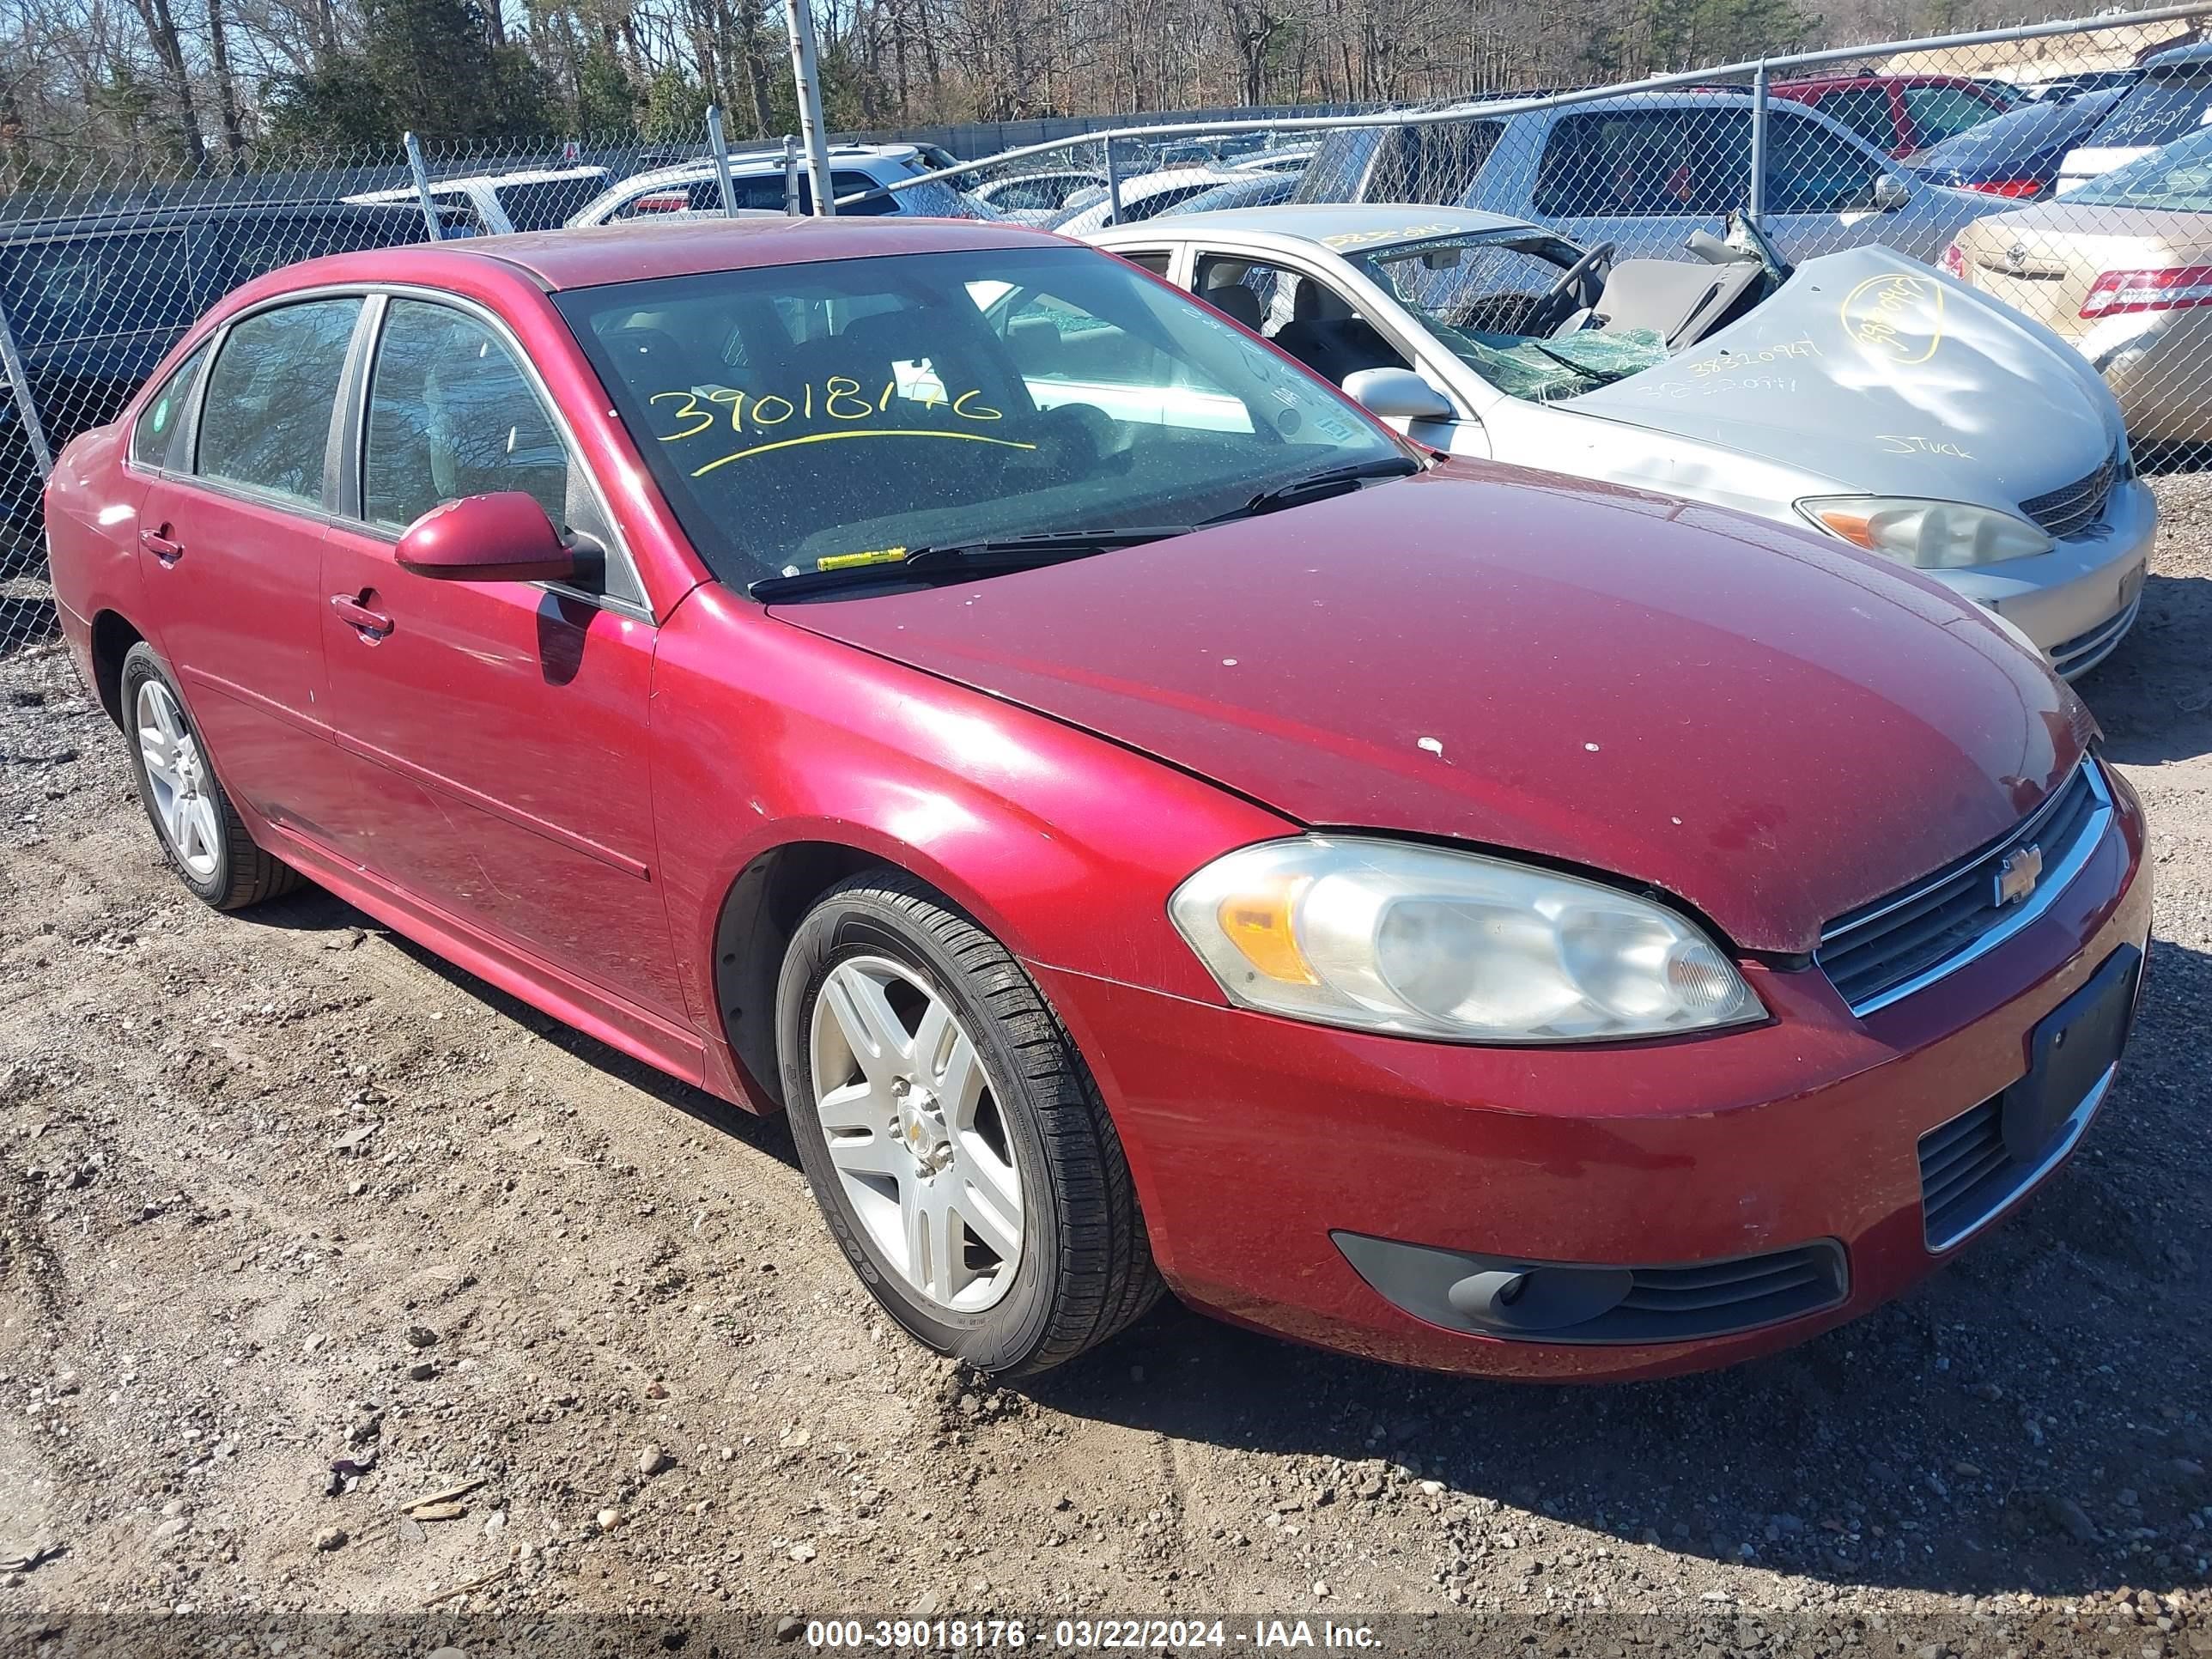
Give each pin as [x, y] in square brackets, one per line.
[1388, 936]
[1927, 535]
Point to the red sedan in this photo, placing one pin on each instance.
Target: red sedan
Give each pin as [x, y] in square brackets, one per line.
[1143, 821]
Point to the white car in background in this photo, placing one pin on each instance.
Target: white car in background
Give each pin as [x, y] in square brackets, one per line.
[2173, 99]
[495, 203]
[1142, 196]
[1861, 395]
[1036, 199]
[756, 183]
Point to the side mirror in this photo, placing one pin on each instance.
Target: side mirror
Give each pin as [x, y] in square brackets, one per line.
[1397, 394]
[1890, 192]
[505, 538]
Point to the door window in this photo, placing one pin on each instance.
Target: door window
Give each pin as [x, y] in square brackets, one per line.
[1302, 315]
[1866, 111]
[158, 439]
[1644, 162]
[1810, 169]
[1936, 112]
[266, 416]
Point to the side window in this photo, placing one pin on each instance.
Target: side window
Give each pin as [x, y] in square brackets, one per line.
[157, 439]
[1810, 169]
[1305, 317]
[1866, 111]
[1435, 164]
[450, 415]
[1157, 263]
[267, 409]
[92, 286]
[1640, 163]
[1065, 354]
[1936, 112]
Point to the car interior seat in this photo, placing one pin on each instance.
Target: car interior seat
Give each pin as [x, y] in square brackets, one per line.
[1329, 337]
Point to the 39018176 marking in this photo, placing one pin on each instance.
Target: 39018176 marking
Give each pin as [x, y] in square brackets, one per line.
[894, 1634]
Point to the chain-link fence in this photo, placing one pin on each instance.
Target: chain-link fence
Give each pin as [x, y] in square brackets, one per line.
[2064, 169]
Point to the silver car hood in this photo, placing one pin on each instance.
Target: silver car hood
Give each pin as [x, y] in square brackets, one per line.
[1874, 372]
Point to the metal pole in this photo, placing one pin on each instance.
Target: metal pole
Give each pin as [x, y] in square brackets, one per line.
[790, 177]
[722, 160]
[1112, 184]
[801, 21]
[19, 382]
[423, 188]
[1755, 207]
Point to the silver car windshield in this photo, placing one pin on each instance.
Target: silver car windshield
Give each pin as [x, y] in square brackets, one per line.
[1475, 293]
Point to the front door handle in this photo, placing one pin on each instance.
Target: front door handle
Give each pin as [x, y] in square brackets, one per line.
[373, 625]
[157, 542]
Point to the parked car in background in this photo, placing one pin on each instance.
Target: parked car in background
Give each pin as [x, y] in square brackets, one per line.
[2121, 267]
[2064, 86]
[1140, 818]
[2173, 99]
[497, 203]
[1290, 159]
[94, 302]
[2017, 154]
[756, 181]
[1259, 190]
[1035, 198]
[1142, 196]
[1799, 397]
[1899, 113]
[1642, 172]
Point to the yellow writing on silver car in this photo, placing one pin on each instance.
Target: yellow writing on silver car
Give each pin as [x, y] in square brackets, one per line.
[1897, 317]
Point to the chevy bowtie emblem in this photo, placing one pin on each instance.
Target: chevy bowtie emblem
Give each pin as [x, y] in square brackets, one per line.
[2017, 873]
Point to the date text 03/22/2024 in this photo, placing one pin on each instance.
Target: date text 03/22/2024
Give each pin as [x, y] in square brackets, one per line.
[1141, 1635]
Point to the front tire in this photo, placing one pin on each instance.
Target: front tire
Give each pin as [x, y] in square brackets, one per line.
[207, 844]
[953, 1135]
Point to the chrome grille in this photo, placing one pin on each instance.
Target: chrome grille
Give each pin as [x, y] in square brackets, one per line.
[1891, 948]
[2072, 508]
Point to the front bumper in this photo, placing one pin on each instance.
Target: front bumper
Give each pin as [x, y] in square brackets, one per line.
[1256, 1141]
[2077, 601]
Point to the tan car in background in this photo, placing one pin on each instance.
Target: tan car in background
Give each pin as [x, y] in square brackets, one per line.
[2122, 270]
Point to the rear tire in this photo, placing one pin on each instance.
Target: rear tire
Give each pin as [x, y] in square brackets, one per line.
[207, 844]
[964, 1162]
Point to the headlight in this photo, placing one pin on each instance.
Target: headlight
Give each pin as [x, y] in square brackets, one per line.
[1927, 535]
[1387, 936]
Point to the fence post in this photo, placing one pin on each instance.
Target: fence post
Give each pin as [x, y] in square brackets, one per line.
[1755, 203]
[800, 18]
[790, 177]
[422, 187]
[1113, 186]
[722, 160]
[19, 382]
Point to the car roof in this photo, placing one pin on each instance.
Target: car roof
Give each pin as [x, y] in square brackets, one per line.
[746, 163]
[125, 221]
[2177, 57]
[1317, 222]
[639, 250]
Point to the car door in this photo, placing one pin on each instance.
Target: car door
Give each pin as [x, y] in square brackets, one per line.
[1821, 195]
[496, 729]
[230, 537]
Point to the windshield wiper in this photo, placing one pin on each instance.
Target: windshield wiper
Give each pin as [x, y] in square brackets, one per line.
[955, 560]
[1318, 486]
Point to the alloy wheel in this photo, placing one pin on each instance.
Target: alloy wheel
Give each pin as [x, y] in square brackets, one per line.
[913, 1128]
[177, 774]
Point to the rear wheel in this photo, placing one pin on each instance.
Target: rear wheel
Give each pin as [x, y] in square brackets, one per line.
[953, 1135]
[207, 844]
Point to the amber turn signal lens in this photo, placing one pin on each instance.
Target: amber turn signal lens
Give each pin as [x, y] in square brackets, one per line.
[1259, 924]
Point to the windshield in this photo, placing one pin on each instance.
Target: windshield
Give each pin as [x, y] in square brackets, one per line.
[2160, 109]
[1475, 294]
[802, 413]
[2177, 177]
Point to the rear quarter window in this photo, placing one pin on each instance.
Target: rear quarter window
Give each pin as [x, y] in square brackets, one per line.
[158, 439]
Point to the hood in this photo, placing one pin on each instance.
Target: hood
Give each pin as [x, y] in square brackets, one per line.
[1876, 372]
[1759, 721]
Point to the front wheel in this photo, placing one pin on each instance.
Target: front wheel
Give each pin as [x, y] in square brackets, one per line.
[953, 1135]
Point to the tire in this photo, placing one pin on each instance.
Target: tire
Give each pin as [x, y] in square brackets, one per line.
[1028, 1112]
[199, 830]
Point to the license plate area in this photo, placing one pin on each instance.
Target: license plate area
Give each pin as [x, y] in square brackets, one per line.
[2073, 1046]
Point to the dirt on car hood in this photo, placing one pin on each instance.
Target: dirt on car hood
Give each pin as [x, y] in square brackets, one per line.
[1762, 722]
[1876, 371]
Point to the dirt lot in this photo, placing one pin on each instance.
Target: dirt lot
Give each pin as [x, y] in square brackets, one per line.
[280, 1190]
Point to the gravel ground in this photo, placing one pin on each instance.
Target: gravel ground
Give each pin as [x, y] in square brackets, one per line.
[281, 1194]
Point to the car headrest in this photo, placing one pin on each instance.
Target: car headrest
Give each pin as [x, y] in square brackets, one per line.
[1237, 302]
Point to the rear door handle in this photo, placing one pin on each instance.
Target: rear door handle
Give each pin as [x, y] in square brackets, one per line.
[157, 542]
[373, 625]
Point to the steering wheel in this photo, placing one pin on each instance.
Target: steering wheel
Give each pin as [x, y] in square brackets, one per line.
[1565, 294]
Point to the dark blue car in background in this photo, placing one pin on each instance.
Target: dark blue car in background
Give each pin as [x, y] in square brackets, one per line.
[2017, 154]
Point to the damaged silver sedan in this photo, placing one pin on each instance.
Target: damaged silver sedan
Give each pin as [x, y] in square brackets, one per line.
[1860, 394]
